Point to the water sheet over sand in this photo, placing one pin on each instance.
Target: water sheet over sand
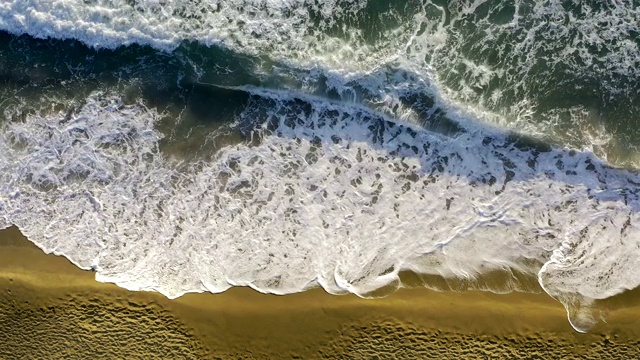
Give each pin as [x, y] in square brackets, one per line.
[51, 309]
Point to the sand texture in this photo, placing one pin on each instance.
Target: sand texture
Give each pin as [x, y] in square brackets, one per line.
[85, 327]
[49, 309]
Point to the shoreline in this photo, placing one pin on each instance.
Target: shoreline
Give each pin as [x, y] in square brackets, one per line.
[50, 295]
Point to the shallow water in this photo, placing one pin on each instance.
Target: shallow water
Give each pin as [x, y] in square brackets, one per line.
[286, 145]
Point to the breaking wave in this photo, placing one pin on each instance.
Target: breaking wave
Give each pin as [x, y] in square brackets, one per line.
[342, 142]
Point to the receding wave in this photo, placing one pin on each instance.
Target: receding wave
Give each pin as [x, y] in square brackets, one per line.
[319, 194]
[194, 146]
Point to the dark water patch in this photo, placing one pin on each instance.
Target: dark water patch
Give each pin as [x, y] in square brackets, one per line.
[190, 87]
[550, 58]
[44, 75]
[368, 21]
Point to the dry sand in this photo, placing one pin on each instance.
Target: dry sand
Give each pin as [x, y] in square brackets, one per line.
[49, 309]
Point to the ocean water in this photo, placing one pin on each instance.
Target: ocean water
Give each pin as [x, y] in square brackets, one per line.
[286, 144]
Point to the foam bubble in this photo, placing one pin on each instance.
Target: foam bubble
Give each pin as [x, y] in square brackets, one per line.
[324, 194]
[286, 29]
[514, 60]
[345, 195]
[529, 60]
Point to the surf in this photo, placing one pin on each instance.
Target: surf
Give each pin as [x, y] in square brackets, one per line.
[186, 148]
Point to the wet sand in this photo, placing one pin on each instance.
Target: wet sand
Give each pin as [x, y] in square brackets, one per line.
[49, 309]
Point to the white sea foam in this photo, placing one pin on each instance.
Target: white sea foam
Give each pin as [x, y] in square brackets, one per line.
[295, 30]
[333, 194]
[507, 56]
[326, 194]
[502, 57]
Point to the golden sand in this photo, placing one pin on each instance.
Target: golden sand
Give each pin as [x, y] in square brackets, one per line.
[49, 309]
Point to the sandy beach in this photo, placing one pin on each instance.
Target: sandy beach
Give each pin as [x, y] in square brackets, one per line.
[49, 309]
[361, 179]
